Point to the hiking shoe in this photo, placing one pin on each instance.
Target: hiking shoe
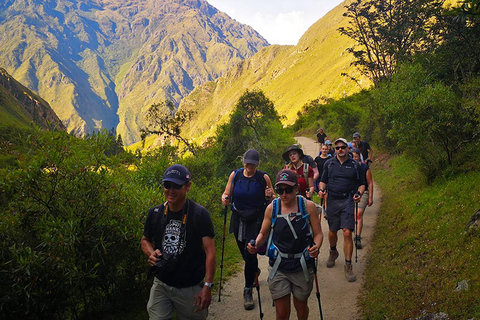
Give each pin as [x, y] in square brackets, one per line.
[331, 258]
[248, 299]
[351, 277]
[358, 242]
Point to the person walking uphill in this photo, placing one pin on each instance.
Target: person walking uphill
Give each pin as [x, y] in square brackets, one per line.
[294, 233]
[293, 156]
[178, 241]
[249, 191]
[345, 184]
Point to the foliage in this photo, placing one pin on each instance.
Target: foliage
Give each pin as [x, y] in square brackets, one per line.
[387, 32]
[69, 231]
[421, 251]
[428, 119]
[163, 119]
[255, 124]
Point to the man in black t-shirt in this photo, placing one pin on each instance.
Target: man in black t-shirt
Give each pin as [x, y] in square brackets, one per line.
[364, 147]
[178, 240]
[342, 179]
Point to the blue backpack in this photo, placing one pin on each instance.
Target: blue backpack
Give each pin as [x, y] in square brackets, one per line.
[272, 250]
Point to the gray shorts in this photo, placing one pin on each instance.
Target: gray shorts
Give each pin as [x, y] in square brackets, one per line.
[284, 283]
[364, 201]
[165, 299]
[340, 214]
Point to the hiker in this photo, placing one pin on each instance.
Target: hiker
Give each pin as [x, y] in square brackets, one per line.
[367, 198]
[178, 241]
[355, 146]
[320, 161]
[293, 156]
[321, 137]
[249, 191]
[293, 243]
[330, 150]
[364, 147]
[343, 181]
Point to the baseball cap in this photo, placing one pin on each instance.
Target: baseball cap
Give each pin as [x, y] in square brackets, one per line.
[251, 156]
[341, 140]
[328, 142]
[177, 174]
[287, 177]
[356, 134]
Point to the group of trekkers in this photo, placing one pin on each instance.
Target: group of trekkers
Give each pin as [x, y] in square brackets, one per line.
[278, 220]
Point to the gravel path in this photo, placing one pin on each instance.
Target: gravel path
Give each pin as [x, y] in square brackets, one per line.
[338, 297]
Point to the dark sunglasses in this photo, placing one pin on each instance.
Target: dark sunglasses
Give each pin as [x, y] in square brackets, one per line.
[341, 147]
[170, 185]
[287, 190]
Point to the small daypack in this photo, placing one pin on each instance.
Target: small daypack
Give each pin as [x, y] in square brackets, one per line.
[273, 251]
[248, 215]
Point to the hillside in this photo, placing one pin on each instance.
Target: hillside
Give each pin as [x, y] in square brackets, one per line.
[288, 75]
[21, 108]
[100, 63]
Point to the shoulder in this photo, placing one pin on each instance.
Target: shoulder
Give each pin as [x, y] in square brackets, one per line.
[197, 209]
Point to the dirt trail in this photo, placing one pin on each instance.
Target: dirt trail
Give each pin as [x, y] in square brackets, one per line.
[338, 297]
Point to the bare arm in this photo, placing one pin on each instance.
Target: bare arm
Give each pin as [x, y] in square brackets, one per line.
[148, 249]
[204, 298]
[226, 193]
[316, 228]
[269, 189]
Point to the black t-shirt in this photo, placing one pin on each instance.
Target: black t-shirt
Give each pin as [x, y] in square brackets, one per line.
[342, 178]
[308, 159]
[321, 137]
[363, 146]
[189, 267]
[320, 162]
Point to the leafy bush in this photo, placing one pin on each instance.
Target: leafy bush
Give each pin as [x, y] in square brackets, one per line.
[69, 231]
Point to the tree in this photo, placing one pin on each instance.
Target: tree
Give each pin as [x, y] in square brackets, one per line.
[254, 123]
[163, 120]
[388, 31]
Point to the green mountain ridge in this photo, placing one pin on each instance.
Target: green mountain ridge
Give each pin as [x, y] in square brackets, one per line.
[21, 108]
[289, 75]
[101, 63]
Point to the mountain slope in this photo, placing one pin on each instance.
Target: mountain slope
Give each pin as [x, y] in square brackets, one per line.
[289, 75]
[101, 63]
[21, 108]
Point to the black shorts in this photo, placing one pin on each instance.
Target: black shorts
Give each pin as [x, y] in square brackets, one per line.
[340, 213]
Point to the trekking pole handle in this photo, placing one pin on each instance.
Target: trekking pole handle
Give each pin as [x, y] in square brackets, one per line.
[252, 242]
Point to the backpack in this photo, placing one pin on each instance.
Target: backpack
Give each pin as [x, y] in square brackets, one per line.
[248, 215]
[273, 251]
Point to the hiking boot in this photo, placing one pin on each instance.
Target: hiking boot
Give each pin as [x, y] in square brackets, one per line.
[248, 299]
[351, 277]
[331, 258]
[358, 242]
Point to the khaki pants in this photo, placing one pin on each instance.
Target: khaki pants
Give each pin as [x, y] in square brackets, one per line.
[165, 299]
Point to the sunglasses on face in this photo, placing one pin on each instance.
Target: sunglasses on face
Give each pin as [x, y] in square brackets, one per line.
[287, 190]
[341, 147]
[170, 185]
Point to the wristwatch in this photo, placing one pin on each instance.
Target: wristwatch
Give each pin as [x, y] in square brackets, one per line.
[209, 284]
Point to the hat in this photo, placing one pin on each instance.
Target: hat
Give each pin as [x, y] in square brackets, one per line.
[341, 140]
[295, 147]
[356, 150]
[287, 177]
[177, 174]
[251, 156]
[356, 135]
[328, 142]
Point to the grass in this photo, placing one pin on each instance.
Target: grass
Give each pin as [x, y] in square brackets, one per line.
[421, 250]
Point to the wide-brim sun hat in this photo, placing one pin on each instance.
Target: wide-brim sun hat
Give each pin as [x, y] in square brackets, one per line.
[295, 147]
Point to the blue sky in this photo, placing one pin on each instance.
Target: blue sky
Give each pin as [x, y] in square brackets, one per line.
[278, 21]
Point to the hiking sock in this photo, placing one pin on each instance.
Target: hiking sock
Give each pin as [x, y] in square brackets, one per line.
[347, 262]
[333, 248]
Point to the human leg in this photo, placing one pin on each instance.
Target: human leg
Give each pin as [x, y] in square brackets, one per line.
[159, 305]
[347, 243]
[302, 308]
[282, 307]
[251, 266]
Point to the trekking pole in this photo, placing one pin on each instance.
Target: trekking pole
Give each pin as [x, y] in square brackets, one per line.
[316, 285]
[356, 229]
[223, 251]
[257, 284]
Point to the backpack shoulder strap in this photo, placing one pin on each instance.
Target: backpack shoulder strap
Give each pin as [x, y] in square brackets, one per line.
[306, 166]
